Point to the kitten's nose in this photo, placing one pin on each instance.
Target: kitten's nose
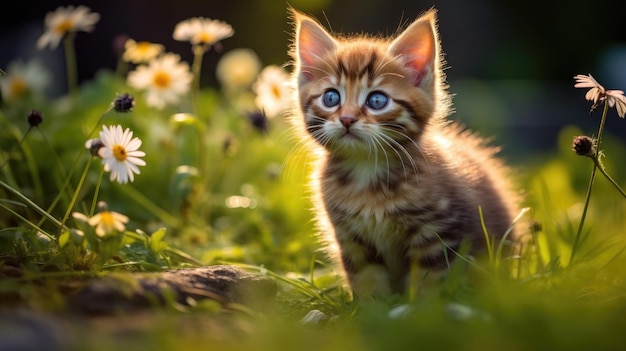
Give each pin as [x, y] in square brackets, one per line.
[347, 121]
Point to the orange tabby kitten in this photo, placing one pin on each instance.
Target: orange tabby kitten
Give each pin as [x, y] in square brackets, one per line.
[396, 185]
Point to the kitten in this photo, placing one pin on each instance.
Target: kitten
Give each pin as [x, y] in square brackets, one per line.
[395, 184]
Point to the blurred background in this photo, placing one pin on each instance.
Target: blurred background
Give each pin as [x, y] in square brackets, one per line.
[512, 59]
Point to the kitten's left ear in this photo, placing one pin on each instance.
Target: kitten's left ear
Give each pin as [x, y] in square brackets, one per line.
[416, 47]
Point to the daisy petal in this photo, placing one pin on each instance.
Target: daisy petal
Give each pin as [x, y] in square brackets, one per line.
[120, 154]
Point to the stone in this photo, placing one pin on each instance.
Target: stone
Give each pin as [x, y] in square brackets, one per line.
[225, 284]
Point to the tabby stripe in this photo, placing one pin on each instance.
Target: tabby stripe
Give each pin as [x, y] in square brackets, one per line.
[309, 102]
[371, 255]
[344, 176]
[407, 106]
[442, 260]
[433, 240]
[341, 69]
[416, 212]
[369, 68]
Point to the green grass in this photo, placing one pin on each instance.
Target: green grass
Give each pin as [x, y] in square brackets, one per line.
[551, 305]
[217, 190]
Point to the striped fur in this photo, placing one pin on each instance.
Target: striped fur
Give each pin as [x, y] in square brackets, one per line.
[398, 185]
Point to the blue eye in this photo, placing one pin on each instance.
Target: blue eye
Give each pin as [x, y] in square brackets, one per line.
[331, 98]
[377, 100]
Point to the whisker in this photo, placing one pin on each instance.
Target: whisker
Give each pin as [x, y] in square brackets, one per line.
[382, 148]
[391, 143]
[386, 127]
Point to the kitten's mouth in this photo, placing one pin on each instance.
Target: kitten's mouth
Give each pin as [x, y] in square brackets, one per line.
[350, 135]
[350, 139]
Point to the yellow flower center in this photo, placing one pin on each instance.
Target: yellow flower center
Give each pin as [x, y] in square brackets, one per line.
[276, 91]
[144, 46]
[107, 221]
[206, 38]
[64, 27]
[119, 152]
[18, 87]
[162, 79]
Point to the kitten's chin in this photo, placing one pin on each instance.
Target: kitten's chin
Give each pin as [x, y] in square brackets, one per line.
[347, 143]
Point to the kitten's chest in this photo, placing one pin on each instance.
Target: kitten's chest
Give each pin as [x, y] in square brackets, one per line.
[372, 191]
[371, 198]
[380, 203]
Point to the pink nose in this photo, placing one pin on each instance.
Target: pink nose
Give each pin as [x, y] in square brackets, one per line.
[347, 121]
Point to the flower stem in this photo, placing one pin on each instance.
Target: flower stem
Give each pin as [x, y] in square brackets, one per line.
[600, 166]
[196, 68]
[576, 243]
[70, 63]
[15, 147]
[75, 162]
[78, 187]
[92, 210]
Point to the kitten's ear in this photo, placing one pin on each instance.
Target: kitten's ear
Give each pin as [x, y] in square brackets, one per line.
[312, 41]
[416, 47]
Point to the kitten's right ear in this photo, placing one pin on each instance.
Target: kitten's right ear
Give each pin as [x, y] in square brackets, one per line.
[312, 42]
[417, 48]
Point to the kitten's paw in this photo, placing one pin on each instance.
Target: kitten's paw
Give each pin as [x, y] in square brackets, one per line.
[371, 282]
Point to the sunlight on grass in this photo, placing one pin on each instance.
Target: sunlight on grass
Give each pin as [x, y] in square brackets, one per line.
[224, 182]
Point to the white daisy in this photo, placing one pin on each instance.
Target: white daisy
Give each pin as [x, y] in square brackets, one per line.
[597, 94]
[202, 31]
[64, 20]
[108, 221]
[165, 79]
[141, 51]
[23, 78]
[120, 153]
[238, 69]
[273, 91]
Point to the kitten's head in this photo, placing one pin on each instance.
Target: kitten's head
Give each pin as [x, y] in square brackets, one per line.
[363, 92]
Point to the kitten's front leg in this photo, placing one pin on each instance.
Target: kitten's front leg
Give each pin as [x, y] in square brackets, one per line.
[371, 281]
[364, 268]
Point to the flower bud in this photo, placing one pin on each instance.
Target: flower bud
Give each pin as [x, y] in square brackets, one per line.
[34, 118]
[124, 103]
[583, 145]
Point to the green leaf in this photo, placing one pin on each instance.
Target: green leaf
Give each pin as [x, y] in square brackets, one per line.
[64, 238]
[157, 244]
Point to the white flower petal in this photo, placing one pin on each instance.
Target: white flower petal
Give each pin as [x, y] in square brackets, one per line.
[122, 170]
[133, 144]
[64, 20]
[136, 161]
[273, 91]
